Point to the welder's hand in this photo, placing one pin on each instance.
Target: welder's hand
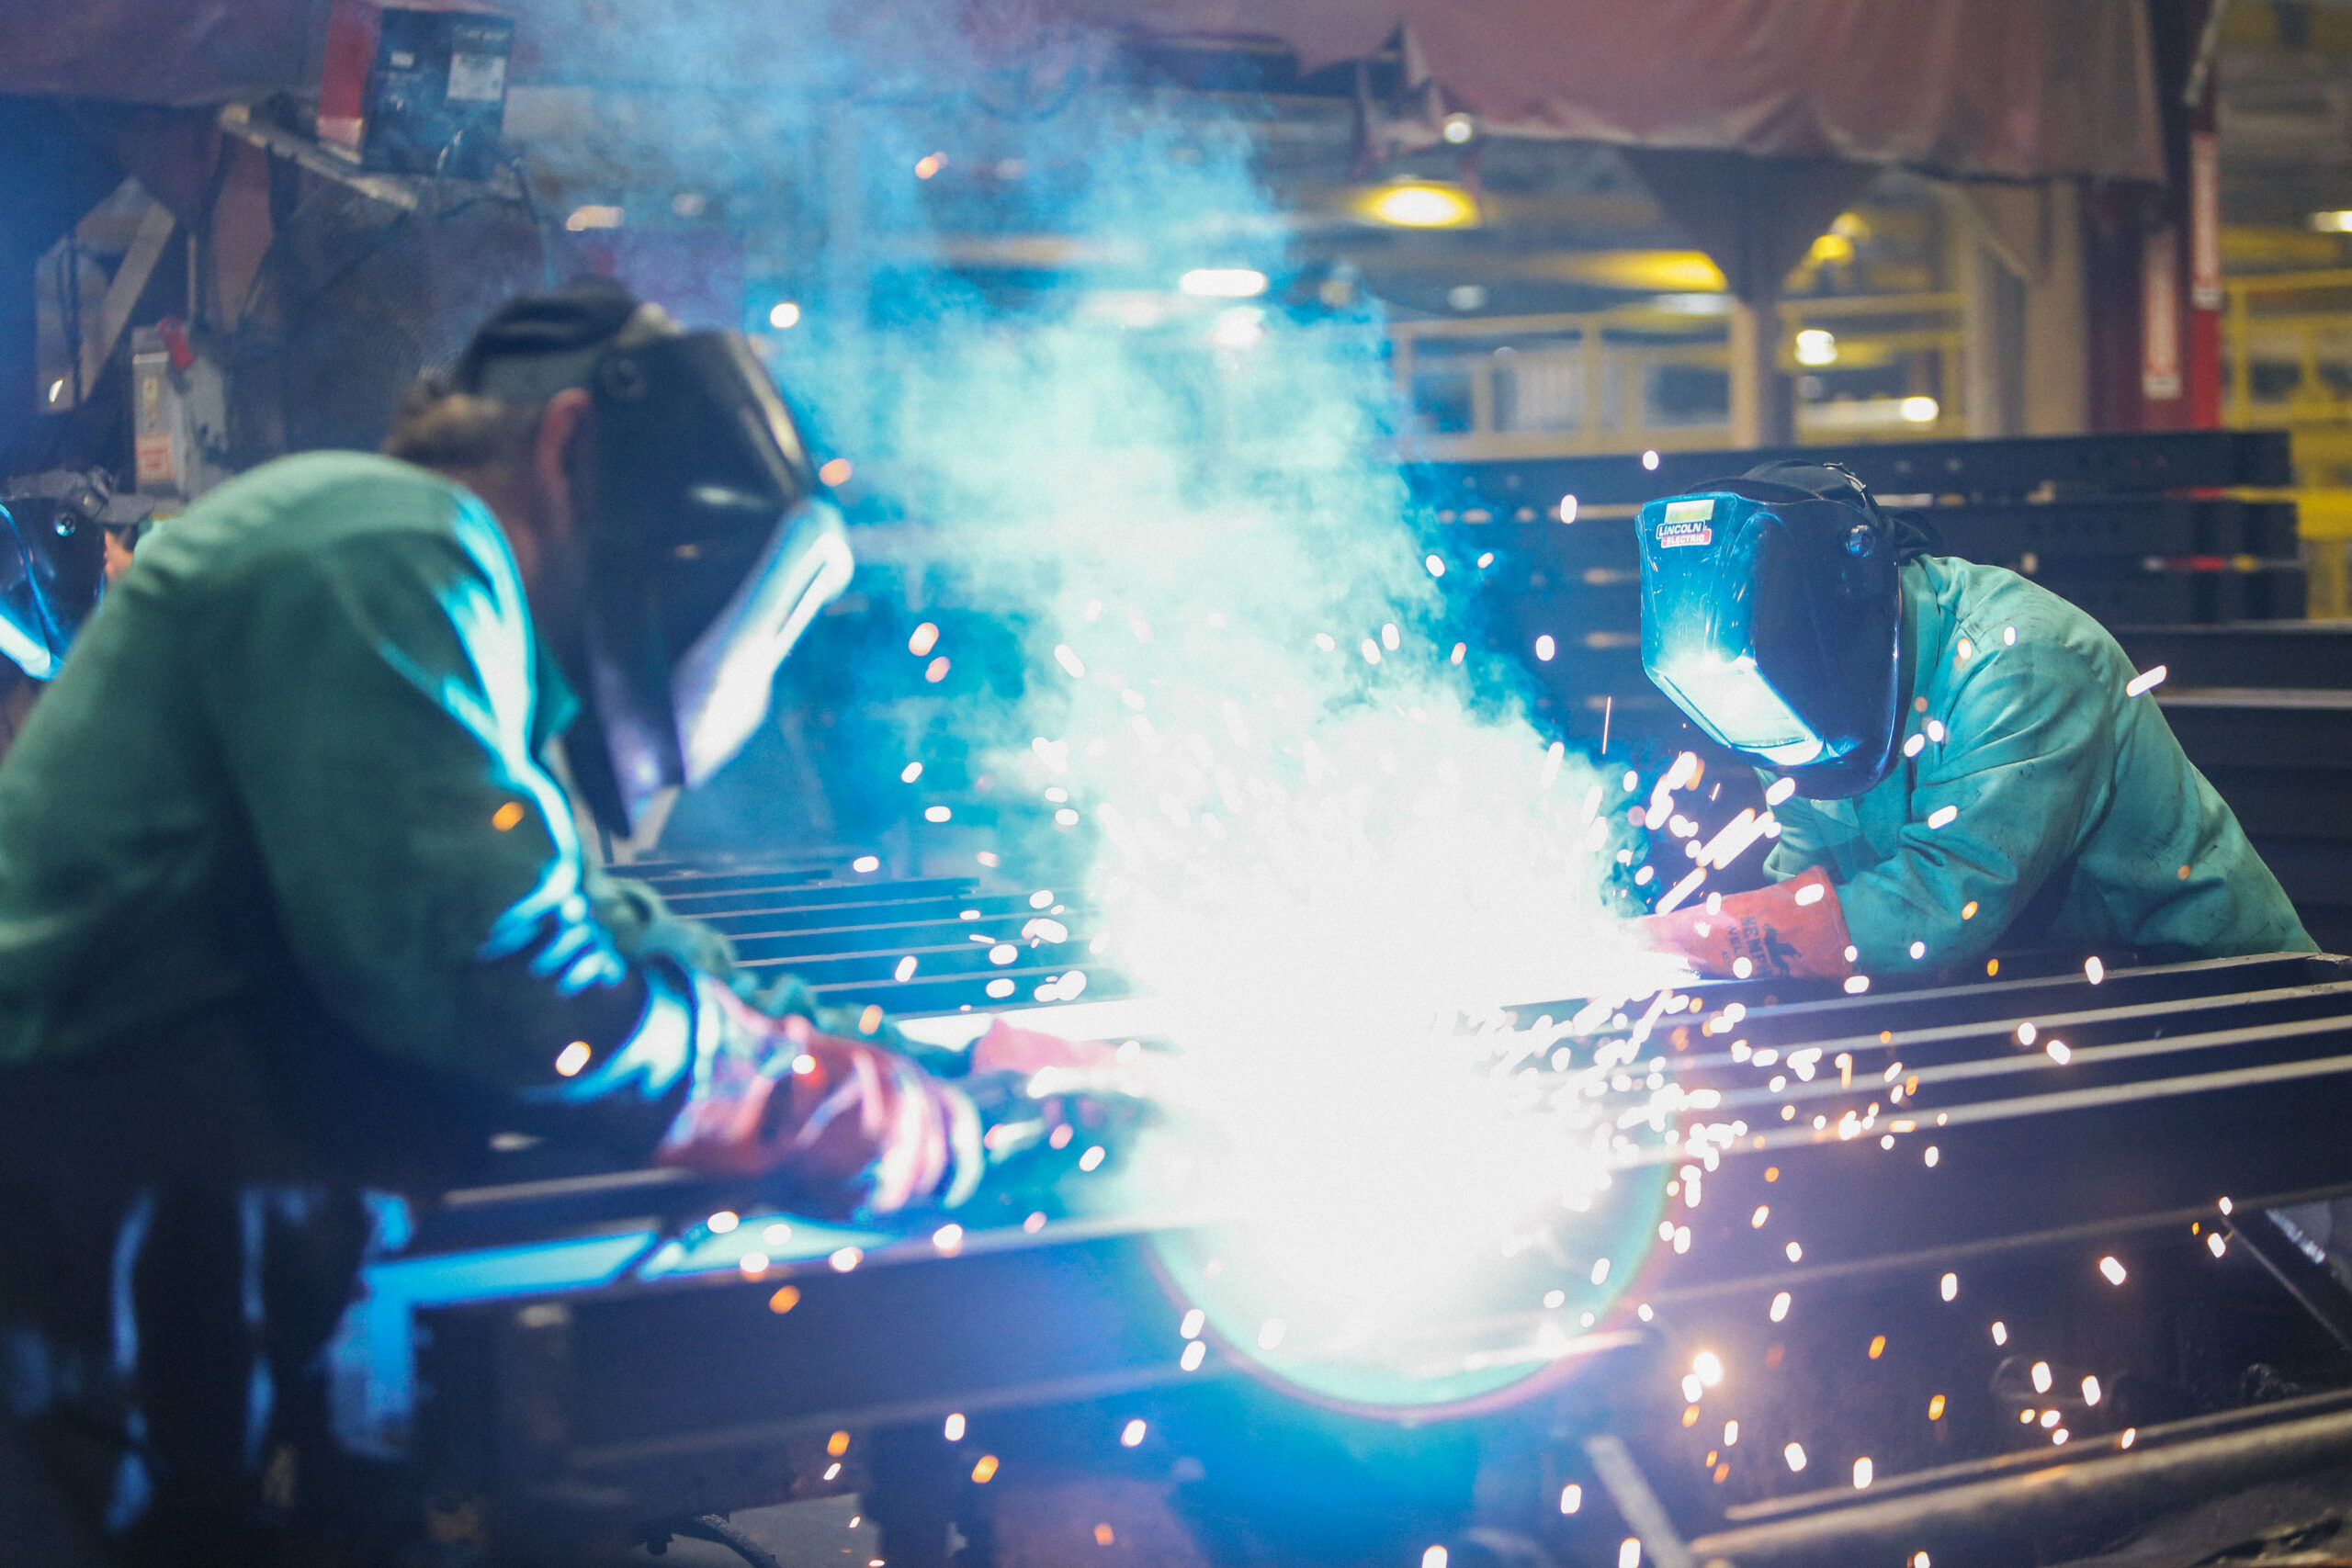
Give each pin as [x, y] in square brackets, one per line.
[1008, 1049]
[843, 1126]
[1792, 930]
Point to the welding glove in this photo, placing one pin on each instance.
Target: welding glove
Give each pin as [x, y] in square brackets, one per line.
[1791, 930]
[1006, 1048]
[840, 1125]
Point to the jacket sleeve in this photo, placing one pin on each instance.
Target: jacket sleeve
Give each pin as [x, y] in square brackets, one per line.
[374, 696]
[1997, 807]
[1801, 844]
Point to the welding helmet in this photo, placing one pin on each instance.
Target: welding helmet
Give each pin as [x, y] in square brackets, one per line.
[1772, 615]
[707, 547]
[53, 566]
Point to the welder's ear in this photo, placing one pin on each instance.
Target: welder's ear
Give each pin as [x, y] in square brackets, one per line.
[559, 455]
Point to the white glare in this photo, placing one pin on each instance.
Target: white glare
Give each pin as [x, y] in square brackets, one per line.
[1223, 283]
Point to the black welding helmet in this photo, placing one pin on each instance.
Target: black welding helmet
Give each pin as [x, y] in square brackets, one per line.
[52, 566]
[1773, 615]
[708, 548]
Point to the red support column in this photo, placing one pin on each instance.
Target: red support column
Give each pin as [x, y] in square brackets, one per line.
[2154, 261]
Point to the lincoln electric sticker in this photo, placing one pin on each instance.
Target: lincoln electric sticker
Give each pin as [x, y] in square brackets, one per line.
[1687, 523]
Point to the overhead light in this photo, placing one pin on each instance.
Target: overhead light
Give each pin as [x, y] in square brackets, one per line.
[1223, 283]
[593, 218]
[929, 164]
[1459, 127]
[1466, 297]
[1420, 204]
[1921, 410]
[1672, 273]
[784, 316]
[1816, 347]
[2332, 223]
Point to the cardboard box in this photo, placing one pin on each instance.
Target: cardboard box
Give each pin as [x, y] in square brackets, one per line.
[415, 89]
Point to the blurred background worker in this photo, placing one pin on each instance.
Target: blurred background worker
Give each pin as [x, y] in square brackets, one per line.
[1958, 759]
[63, 537]
[291, 908]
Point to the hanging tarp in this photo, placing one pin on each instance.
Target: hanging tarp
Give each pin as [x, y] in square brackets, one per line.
[2015, 88]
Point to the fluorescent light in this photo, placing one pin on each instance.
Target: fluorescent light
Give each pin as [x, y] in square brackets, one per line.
[1921, 410]
[1422, 204]
[1816, 347]
[1223, 283]
[593, 218]
[2332, 223]
[1459, 127]
[785, 316]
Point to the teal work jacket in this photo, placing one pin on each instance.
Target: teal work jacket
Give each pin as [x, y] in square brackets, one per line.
[289, 777]
[2038, 805]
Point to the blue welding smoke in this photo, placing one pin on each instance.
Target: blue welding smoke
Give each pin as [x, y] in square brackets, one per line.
[1154, 460]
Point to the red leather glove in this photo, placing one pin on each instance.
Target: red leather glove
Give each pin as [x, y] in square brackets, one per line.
[1007, 1048]
[844, 1125]
[1793, 929]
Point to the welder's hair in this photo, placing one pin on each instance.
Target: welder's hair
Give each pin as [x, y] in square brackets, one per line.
[437, 426]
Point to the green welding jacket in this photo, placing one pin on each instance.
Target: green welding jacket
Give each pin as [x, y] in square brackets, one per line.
[290, 775]
[2038, 806]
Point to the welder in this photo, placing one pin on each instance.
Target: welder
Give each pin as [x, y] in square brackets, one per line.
[57, 550]
[1957, 760]
[294, 908]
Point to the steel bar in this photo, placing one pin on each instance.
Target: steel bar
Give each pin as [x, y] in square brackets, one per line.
[2124, 1485]
[2267, 1235]
[1637, 1503]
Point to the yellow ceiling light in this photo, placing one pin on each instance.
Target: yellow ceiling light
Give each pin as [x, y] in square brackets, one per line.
[1419, 204]
[1648, 272]
[2332, 223]
[1832, 249]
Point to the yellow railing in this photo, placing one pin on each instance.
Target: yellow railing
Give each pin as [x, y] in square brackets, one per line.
[2287, 355]
[1575, 384]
